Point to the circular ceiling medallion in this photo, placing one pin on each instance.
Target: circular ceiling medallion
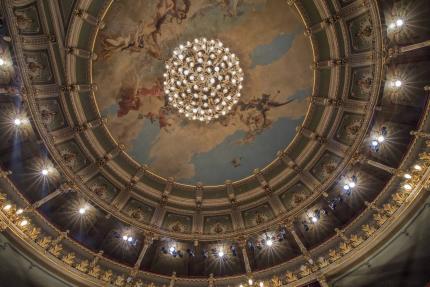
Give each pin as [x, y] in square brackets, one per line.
[203, 80]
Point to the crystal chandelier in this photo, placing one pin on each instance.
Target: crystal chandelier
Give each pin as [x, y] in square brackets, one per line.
[203, 80]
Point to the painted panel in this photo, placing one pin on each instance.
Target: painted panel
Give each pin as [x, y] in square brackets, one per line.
[325, 166]
[257, 215]
[103, 188]
[177, 222]
[217, 224]
[72, 155]
[139, 211]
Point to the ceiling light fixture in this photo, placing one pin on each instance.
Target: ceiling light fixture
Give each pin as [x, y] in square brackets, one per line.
[250, 282]
[24, 222]
[269, 242]
[407, 176]
[417, 167]
[82, 210]
[399, 23]
[17, 122]
[314, 219]
[396, 24]
[45, 171]
[20, 211]
[203, 80]
[407, 186]
[396, 84]
[261, 284]
[7, 207]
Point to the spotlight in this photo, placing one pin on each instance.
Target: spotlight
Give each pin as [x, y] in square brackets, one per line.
[19, 211]
[7, 207]
[314, 219]
[250, 282]
[399, 23]
[417, 167]
[220, 254]
[17, 122]
[407, 186]
[23, 223]
[407, 176]
[269, 242]
[396, 84]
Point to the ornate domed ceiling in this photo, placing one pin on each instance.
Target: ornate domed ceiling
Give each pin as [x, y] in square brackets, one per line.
[323, 155]
[275, 55]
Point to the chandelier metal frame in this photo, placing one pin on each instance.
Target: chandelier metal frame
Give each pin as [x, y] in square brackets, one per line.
[203, 80]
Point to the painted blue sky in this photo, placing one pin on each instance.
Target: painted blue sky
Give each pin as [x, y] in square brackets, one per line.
[214, 167]
[267, 54]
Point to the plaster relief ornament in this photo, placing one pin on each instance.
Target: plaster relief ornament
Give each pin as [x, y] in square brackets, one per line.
[203, 80]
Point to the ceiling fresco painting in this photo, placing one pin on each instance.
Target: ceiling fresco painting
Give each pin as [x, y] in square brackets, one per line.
[275, 55]
[323, 158]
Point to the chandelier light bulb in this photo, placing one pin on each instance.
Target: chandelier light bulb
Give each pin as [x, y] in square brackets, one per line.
[250, 282]
[269, 242]
[220, 254]
[82, 210]
[45, 171]
[7, 207]
[24, 222]
[417, 167]
[314, 219]
[124, 237]
[375, 143]
[208, 78]
[19, 211]
[407, 176]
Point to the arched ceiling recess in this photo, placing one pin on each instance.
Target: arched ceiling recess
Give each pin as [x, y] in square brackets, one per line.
[332, 55]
